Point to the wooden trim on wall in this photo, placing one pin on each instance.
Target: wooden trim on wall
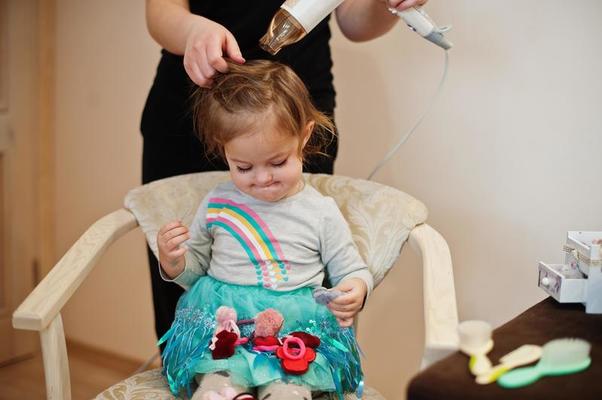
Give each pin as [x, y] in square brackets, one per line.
[3, 55]
[4, 138]
[4, 295]
[46, 161]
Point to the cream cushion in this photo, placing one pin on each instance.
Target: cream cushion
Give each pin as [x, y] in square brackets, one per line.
[151, 385]
[379, 216]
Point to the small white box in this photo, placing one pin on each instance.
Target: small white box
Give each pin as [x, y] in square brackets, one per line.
[580, 250]
[579, 279]
[562, 282]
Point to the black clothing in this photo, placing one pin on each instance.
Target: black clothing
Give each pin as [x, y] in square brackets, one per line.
[170, 146]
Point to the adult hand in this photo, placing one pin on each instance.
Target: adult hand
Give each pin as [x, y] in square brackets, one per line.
[207, 45]
[171, 253]
[401, 5]
[346, 306]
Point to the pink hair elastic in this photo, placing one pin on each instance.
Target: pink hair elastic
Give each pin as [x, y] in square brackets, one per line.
[265, 348]
[294, 353]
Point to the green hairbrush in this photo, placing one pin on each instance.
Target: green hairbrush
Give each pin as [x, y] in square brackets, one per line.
[559, 357]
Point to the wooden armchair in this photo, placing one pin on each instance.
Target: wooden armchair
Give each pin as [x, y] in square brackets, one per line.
[382, 220]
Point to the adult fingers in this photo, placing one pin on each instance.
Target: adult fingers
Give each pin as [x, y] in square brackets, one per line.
[196, 63]
[215, 57]
[405, 4]
[232, 49]
[194, 72]
[206, 70]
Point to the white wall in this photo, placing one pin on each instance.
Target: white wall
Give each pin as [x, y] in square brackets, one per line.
[105, 65]
[506, 161]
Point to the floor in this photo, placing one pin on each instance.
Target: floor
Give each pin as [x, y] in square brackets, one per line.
[92, 371]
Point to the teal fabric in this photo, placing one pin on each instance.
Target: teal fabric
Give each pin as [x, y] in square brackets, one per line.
[336, 367]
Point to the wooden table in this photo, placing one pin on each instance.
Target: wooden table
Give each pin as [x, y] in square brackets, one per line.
[449, 379]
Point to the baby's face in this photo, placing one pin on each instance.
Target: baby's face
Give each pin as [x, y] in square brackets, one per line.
[265, 165]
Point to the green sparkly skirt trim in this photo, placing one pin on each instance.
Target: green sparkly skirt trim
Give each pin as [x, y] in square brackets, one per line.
[336, 367]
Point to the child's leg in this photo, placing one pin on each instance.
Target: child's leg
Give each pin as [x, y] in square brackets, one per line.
[217, 382]
[280, 390]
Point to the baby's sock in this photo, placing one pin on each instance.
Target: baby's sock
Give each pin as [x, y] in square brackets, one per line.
[218, 383]
[283, 391]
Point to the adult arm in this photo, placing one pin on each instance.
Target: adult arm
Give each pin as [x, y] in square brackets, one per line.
[203, 43]
[362, 20]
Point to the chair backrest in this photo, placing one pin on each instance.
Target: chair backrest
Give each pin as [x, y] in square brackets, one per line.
[380, 217]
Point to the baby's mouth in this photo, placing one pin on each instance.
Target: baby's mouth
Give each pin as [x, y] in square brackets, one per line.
[269, 185]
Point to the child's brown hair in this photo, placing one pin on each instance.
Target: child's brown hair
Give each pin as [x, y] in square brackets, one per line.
[237, 100]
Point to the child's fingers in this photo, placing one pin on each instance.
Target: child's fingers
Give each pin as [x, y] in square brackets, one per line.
[346, 307]
[345, 322]
[169, 226]
[342, 307]
[348, 301]
[172, 233]
[343, 314]
[177, 253]
[345, 299]
[175, 242]
[172, 259]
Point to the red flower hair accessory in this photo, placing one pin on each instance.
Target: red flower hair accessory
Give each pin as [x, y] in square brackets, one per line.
[227, 334]
[309, 340]
[295, 356]
[223, 345]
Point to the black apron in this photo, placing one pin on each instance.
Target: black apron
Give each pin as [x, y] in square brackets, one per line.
[170, 145]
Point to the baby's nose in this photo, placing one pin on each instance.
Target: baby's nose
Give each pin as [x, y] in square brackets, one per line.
[264, 177]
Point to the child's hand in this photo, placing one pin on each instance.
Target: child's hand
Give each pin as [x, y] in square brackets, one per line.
[350, 303]
[171, 254]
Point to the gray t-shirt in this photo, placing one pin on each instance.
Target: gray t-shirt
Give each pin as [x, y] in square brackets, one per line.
[281, 245]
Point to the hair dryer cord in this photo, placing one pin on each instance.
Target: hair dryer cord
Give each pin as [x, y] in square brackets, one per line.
[407, 135]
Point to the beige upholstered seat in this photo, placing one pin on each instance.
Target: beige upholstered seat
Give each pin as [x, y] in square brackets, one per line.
[151, 385]
[382, 219]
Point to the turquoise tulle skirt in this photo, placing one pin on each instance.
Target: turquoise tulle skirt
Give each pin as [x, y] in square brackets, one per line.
[336, 367]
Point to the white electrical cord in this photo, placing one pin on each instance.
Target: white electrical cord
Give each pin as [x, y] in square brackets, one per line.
[148, 363]
[405, 137]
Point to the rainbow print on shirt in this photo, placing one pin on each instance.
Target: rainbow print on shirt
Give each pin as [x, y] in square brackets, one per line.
[254, 236]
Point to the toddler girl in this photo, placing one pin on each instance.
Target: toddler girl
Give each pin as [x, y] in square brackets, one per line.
[258, 245]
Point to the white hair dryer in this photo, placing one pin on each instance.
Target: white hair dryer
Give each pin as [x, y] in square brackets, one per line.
[298, 17]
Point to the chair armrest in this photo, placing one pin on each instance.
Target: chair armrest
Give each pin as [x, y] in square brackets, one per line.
[48, 298]
[440, 311]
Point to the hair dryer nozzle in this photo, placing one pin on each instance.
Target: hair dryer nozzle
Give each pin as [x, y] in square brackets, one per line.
[419, 21]
[439, 39]
[283, 30]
